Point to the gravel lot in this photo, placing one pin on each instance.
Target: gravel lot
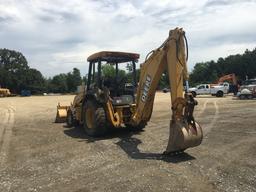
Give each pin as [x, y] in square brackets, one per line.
[38, 155]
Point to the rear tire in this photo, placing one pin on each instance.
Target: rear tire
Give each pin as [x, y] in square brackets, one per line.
[219, 94]
[95, 123]
[249, 97]
[242, 97]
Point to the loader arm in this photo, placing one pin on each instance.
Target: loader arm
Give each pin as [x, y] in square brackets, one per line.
[170, 56]
[166, 57]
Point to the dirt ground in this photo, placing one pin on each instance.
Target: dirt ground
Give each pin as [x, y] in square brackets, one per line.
[38, 155]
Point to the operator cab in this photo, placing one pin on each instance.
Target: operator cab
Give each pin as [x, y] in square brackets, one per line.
[106, 72]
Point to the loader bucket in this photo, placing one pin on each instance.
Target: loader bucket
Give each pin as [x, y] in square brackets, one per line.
[182, 136]
[61, 114]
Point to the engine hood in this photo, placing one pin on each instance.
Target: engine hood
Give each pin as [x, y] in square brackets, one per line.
[192, 89]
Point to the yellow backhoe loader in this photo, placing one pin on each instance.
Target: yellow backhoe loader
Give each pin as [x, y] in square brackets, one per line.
[108, 102]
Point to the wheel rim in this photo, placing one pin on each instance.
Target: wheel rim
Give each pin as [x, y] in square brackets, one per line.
[89, 116]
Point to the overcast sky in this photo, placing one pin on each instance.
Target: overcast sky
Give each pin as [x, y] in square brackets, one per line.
[57, 35]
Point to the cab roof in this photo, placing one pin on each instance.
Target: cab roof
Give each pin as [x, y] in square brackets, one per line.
[113, 57]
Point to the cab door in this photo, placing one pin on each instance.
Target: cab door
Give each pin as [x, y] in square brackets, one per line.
[207, 89]
[201, 89]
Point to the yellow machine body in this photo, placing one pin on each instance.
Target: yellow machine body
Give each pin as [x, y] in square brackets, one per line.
[171, 56]
[61, 114]
[62, 110]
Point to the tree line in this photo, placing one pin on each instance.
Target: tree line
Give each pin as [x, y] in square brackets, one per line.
[16, 75]
[64, 82]
[242, 65]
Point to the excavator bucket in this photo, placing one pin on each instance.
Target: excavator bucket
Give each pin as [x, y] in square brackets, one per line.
[182, 136]
[61, 114]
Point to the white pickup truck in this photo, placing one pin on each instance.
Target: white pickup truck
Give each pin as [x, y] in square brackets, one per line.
[207, 89]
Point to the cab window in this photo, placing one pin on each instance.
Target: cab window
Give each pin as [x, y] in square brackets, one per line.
[201, 87]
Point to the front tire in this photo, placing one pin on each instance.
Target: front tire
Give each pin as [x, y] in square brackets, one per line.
[95, 123]
[70, 119]
[193, 93]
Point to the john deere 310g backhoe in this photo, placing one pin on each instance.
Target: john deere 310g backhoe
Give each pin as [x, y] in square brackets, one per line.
[109, 103]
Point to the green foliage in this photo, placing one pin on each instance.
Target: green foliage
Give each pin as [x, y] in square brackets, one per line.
[108, 70]
[65, 83]
[121, 73]
[242, 65]
[164, 81]
[15, 74]
[58, 84]
[35, 81]
[73, 80]
[204, 73]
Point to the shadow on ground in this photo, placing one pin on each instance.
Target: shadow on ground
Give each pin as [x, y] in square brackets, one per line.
[128, 144]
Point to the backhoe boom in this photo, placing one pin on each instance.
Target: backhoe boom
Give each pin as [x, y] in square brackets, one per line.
[170, 56]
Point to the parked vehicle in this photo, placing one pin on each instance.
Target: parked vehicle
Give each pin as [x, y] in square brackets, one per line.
[232, 80]
[247, 93]
[247, 90]
[25, 93]
[208, 89]
[247, 84]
